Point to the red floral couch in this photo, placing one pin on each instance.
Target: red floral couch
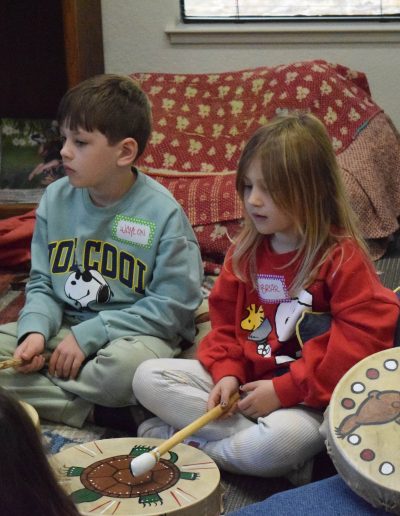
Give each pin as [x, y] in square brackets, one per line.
[201, 122]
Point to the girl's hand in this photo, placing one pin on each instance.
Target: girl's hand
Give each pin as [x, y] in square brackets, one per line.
[66, 359]
[260, 399]
[31, 350]
[221, 393]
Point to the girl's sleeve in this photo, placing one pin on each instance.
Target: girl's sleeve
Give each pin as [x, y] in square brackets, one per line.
[220, 351]
[364, 316]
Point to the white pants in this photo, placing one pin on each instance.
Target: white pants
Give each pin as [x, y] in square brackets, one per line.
[176, 390]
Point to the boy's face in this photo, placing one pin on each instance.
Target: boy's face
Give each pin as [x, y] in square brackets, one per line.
[89, 160]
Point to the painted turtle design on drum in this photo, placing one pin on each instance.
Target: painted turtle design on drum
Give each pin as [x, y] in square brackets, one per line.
[112, 477]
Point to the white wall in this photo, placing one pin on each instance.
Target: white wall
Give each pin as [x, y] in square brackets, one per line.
[135, 41]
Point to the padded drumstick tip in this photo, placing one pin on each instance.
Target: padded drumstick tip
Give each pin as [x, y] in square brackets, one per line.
[143, 463]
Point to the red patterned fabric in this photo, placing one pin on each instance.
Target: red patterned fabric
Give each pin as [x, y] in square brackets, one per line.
[201, 121]
[212, 206]
[15, 240]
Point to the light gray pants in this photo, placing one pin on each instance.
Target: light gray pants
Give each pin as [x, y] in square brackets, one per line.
[105, 379]
[177, 392]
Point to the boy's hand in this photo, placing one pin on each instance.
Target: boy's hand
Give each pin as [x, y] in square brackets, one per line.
[221, 393]
[66, 359]
[31, 351]
[260, 399]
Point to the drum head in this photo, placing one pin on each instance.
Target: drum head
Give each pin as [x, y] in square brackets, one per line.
[32, 414]
[97, 475]
[364, 429]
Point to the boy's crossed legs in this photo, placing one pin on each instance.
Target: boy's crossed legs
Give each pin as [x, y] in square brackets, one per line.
[104, 380]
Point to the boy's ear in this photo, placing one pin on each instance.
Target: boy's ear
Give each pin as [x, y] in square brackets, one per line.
[128, 149]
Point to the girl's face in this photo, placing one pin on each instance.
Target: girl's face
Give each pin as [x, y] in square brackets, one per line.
[267, 217]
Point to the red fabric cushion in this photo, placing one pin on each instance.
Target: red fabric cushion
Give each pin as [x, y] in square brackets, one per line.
[201, 121]
[15, 240]
[212, 206]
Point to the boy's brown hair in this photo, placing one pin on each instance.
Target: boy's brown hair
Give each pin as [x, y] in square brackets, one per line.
[112, 104]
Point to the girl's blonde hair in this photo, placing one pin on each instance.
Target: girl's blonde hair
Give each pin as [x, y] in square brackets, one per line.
[302, 175]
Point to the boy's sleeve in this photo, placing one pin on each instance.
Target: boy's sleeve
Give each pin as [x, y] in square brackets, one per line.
[41, 312]
[364, 316]
[171, 297]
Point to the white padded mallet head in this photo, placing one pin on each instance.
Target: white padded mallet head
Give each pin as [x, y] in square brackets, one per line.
[143, 463]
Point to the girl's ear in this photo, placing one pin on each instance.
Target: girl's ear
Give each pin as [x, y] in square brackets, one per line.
[128, 149]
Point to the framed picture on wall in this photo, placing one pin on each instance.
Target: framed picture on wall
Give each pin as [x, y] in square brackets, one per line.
[29, 158]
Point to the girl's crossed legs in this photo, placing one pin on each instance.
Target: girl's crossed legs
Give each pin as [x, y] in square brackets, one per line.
[177, 390]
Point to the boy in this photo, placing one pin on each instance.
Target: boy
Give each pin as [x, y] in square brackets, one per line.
[116, 268]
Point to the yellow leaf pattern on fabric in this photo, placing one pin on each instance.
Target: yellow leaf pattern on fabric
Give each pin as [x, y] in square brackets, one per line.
[217, 130]
[154, 90]
[169, 160]
[290, 77]
[207, 167]
[202, 121]
[353, 115]
[268, 96]
[302, 92]
[156, 138]
[168, 104]
[190, 92]
[223, 91]
[257, 85]
[337, 144]
[212, 78]
[230, 149]
[204, 110]
[237, 107]
[218, 232]
[325, 88]
[179, 78]
[181, 123]
[194, 147]
[330, 117]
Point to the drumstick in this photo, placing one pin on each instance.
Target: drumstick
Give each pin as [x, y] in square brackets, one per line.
[14, 362]
[147, 461]
[11, 362]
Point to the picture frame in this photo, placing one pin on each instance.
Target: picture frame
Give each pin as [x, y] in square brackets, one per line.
[29, 161]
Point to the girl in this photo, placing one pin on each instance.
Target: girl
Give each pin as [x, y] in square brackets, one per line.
[298, 252]
[28, 486]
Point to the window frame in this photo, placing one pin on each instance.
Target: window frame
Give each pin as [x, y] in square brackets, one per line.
[385, 18]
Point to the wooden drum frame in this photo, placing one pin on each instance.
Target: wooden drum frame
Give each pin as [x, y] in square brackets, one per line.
[364, 429]
[32, 414]
[185, 482]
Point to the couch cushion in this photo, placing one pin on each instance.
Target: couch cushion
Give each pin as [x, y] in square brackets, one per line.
[201, 121]
[212, 206]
